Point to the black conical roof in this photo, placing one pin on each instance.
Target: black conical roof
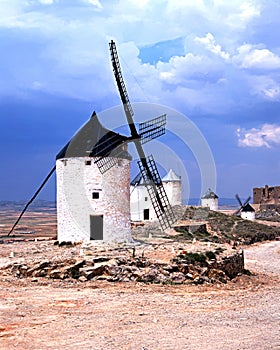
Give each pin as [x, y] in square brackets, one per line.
[93, 140]
[248, 207]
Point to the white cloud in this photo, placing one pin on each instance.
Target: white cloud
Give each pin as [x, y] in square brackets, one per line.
[71, 41]
[210, 44]
[248, 11]
[242, 13]
[265, 136]
[250, 56]
[95, 3]
[46, 2]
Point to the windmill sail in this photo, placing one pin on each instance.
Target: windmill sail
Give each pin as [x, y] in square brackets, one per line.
[149, 131]
[157, 193]
[242, 205]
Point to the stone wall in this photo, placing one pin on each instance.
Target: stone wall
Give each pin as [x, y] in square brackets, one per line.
[267, 197]
[231, 265]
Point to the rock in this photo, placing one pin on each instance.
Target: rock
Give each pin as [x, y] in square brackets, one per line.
[66, 243]
[189, 276]
[82, 279]
[73, 271]
[23, 270]
[15, 267]
[148, 276]
[184, 268]
[99, 259]
[170, 267]
[217, 275]
[43, 265]
[177, 277]
[88, 272]
[31, 271]
[40, 273]
[199, 280]
[78, 264]
[56, 274]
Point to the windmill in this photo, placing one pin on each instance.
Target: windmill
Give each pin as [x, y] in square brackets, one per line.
[244, 207]
[147, 131]
[104, 148]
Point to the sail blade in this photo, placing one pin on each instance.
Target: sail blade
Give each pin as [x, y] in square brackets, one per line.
[238, 199]
[157, 192]
[152, 129]
[107, 162]
[247, 201]
[119, 78]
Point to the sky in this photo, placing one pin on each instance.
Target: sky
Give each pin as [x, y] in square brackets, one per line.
[213, 65]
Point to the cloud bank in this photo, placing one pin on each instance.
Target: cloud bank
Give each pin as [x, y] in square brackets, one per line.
[268, 135]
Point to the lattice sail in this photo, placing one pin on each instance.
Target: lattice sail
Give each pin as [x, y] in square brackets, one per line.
[152, 128]
[119, 79]
[157, 192]
[107, 162]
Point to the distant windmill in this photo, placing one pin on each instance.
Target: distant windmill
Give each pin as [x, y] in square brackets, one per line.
[241, 205]
[246, 211]
[94, 147]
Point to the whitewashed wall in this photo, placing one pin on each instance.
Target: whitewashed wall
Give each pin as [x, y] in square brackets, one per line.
[248, 215]
[140, 200]
[173, 190]
[76, 182]
[211, 203]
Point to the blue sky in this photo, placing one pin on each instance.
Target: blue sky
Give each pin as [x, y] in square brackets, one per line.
[216, 62]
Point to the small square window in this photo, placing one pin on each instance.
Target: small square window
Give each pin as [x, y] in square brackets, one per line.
[88, 162]
[95, 195]
[146, 199]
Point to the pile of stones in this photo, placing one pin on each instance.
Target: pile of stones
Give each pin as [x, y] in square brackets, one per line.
[184, 268]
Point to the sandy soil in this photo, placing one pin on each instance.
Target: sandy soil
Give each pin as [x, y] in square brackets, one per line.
[243, 314]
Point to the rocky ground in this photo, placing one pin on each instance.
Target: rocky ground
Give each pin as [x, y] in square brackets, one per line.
[156, 261]
[53, 313]
[187, 289]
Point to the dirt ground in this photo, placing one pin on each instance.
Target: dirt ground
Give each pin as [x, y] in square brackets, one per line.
[47, 314]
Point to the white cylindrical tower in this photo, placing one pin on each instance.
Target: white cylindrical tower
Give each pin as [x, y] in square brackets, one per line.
[141, 207]
[210, 200]
[173, 187]
[93, 204]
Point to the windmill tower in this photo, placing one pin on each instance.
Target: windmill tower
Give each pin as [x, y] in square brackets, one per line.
[93, 177]
[173, 187]
[246, 211]
[210, 200]
[141, 206]
[92, 205]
